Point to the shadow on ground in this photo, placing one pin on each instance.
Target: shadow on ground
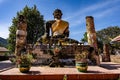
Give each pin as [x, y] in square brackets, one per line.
[6, 65]
[110, 66]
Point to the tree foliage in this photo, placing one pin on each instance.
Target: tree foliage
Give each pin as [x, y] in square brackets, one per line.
[105, 36]
[35, 26]
[3, 42]
[85, 37]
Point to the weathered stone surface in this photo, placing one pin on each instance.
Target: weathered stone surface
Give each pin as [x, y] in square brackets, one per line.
[91, 33]
[106, 54]
[21, 34]
[92, 40]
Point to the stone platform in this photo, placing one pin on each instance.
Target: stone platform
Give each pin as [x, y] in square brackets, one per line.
[107, 71]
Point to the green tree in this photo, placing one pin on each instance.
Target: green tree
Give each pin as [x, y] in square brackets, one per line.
[105, 36]
[1, 45]
[35, 26]
[85, 37]
[3, 42]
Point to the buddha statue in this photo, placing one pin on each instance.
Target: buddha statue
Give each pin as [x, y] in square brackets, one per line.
[59, 28]
[59, 31]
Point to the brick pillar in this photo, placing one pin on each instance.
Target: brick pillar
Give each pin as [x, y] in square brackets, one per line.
[91, 33]
[92, 40]
[21, 35]
[106, 54]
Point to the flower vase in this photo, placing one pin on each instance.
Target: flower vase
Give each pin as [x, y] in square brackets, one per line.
[24, 69]
[81, 66]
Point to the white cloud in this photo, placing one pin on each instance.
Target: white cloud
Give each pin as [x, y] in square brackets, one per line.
[76, 22]
[4, 34]
[78, 18]
[106, 12]
[89, 9]
[92, 8]
[99, 10]
[4, 31]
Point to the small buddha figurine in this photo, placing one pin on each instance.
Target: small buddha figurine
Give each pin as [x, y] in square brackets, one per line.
[59, 28]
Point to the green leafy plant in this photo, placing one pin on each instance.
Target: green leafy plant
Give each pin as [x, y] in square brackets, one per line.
[54, 50]
[13, 60]
[81, 55]
[24, 60]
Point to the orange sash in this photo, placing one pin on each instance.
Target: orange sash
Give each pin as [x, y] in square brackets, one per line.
[59, 26]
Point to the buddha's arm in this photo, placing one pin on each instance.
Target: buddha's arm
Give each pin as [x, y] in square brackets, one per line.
[48, 26]
[66, 33]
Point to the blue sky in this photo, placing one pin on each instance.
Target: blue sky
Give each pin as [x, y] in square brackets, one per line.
[105, 12]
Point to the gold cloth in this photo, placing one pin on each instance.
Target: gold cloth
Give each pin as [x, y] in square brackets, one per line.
[59, 27]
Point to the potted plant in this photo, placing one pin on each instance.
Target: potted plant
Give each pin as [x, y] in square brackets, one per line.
[81, 60]
[24, 62]
[56, 55]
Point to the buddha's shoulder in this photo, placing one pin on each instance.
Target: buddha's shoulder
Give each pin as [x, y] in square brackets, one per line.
[65, 22]
[50, 21]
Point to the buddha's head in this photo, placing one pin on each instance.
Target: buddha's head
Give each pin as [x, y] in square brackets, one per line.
[21, 18]
[57, 14]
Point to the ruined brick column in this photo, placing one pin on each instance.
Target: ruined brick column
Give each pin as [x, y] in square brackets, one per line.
[106, 54]
[91, 35]
[21, 34]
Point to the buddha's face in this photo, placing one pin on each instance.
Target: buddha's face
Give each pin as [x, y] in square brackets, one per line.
[57, 14]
